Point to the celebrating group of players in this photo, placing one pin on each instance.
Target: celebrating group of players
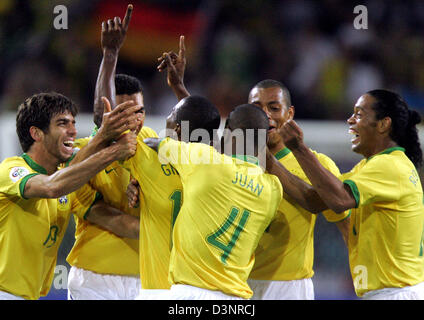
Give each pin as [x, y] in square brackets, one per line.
[176, 218]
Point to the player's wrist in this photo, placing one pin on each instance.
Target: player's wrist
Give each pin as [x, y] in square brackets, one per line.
[110, 53]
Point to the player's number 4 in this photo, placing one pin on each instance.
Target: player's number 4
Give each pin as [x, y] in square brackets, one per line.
[227, 247]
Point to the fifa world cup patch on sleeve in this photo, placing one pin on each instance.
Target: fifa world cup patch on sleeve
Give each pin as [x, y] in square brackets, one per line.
[18, 173]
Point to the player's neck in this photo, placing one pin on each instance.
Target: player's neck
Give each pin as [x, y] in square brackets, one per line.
[44, 159]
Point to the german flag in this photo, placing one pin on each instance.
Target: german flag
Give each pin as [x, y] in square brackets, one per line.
[153, 29]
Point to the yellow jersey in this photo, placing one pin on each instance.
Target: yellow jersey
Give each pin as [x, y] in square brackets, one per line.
[228, 204]
[162, 190]
[97, 249]
[286, 250]
[387, 225]
[31, 230]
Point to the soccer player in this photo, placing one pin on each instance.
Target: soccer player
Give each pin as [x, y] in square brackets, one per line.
[229, 201]
[105, 265]
[284, 259]
[160, 184]
[36, 199]
[383, 192]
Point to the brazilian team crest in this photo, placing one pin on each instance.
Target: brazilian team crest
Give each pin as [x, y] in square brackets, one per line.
[18, 173]
[63, 203]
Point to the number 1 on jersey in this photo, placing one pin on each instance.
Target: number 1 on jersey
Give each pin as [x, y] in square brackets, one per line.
[213, 238]
[175, 198]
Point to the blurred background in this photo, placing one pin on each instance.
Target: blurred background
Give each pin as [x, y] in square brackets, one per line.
[311, 46]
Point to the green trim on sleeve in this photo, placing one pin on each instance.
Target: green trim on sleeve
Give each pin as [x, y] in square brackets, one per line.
[354, 189]
[98, 197]
[23, 183]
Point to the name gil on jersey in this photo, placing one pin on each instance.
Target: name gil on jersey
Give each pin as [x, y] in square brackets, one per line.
[241, 180]
[168, 170]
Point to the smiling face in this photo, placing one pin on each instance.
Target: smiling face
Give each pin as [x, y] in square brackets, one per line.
[58, 140]
[363, 125]
[272, 101]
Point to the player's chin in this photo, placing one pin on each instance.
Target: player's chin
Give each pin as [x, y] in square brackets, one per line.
[65, 154]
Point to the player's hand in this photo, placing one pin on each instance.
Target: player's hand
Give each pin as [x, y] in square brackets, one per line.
[133, 193]
[124, 117]
[291, 134]
[175, 65]
[114, 31]
[125, 146]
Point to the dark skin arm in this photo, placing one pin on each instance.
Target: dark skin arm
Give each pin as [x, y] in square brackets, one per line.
[175, 65]
[112, 37]
[333, 192]
[293, 186]
[111, 219]
[344, 227]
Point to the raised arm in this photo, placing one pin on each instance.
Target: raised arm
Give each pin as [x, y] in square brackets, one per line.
[175, 65]
[107, 217]
[333, 192]
[73, 177]
[112, 37]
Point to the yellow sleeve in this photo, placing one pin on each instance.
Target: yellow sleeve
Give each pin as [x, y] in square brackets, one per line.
[375, 182]
[14, 176]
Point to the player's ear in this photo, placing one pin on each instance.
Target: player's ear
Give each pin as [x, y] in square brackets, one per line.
[291, 112]
[384, 125]
[36, 133]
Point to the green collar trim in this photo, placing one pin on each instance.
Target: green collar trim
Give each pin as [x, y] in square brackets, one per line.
[388, 151]
[35, 166]
[250, 159]
[282, 153]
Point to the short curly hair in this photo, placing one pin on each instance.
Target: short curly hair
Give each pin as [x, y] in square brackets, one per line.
[37, 111]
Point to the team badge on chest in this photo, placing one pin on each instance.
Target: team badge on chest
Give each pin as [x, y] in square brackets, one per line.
[63, 203]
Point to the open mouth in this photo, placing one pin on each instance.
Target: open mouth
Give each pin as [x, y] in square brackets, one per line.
[355, 138]
[272, 129]
[68, 144]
